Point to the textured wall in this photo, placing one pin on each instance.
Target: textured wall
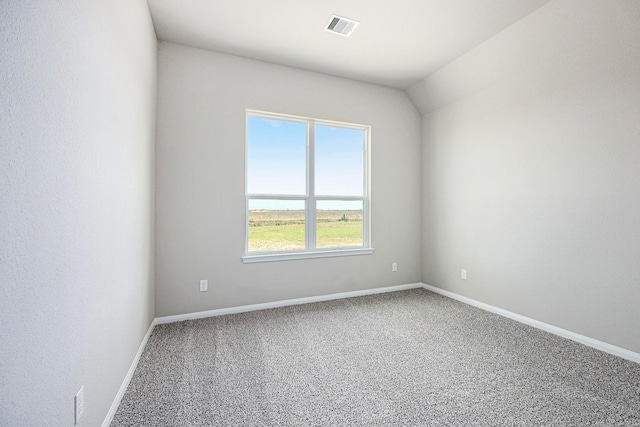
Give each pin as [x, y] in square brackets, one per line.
[531, 182]
[77, 120]
[200, 218]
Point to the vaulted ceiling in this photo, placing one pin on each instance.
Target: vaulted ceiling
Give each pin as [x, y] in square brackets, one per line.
[396, 44]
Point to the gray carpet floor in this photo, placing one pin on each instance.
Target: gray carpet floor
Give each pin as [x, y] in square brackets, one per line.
[410, 358]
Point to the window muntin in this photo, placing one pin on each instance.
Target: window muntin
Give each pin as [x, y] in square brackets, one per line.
[320, 206]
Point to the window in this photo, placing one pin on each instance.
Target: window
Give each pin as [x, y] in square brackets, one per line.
[307, 188]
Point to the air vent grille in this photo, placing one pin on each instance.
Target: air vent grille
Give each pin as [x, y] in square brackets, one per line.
[340, 25]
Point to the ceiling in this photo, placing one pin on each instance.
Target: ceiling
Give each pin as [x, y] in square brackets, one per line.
[397, 42]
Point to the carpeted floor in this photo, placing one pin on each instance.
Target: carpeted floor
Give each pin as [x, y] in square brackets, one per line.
[410, 358]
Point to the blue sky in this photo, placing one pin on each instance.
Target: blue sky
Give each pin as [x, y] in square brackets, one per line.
[277, 162]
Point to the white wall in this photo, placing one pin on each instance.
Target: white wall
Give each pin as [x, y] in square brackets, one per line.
[200, 217]
[531, 150]
[77, 120]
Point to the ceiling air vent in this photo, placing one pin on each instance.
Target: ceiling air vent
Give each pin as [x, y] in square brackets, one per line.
[343, 26]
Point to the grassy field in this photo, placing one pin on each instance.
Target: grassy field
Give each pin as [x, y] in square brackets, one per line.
[284, 230]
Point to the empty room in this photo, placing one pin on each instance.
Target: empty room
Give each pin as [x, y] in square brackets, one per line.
[296, 213]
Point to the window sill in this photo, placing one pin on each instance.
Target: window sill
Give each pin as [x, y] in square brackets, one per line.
[248, 259]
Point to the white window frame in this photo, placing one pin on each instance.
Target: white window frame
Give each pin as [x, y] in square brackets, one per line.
[310, 198]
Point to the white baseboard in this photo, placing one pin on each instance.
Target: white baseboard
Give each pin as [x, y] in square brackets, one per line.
[599, 345]
[283, 303]
[127, 378]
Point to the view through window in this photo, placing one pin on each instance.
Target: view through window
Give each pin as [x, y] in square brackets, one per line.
[306, 186]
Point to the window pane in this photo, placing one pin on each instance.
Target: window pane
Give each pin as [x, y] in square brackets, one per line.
[339, 223]
[339, 161]
[276, 225]
[276, 157]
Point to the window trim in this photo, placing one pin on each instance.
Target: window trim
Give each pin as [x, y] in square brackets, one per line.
[310, 198]
[288, 256]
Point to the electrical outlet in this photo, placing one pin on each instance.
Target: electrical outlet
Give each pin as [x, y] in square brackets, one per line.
[78, 405]
[463, 274]
[394, 266]
[204, 285]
